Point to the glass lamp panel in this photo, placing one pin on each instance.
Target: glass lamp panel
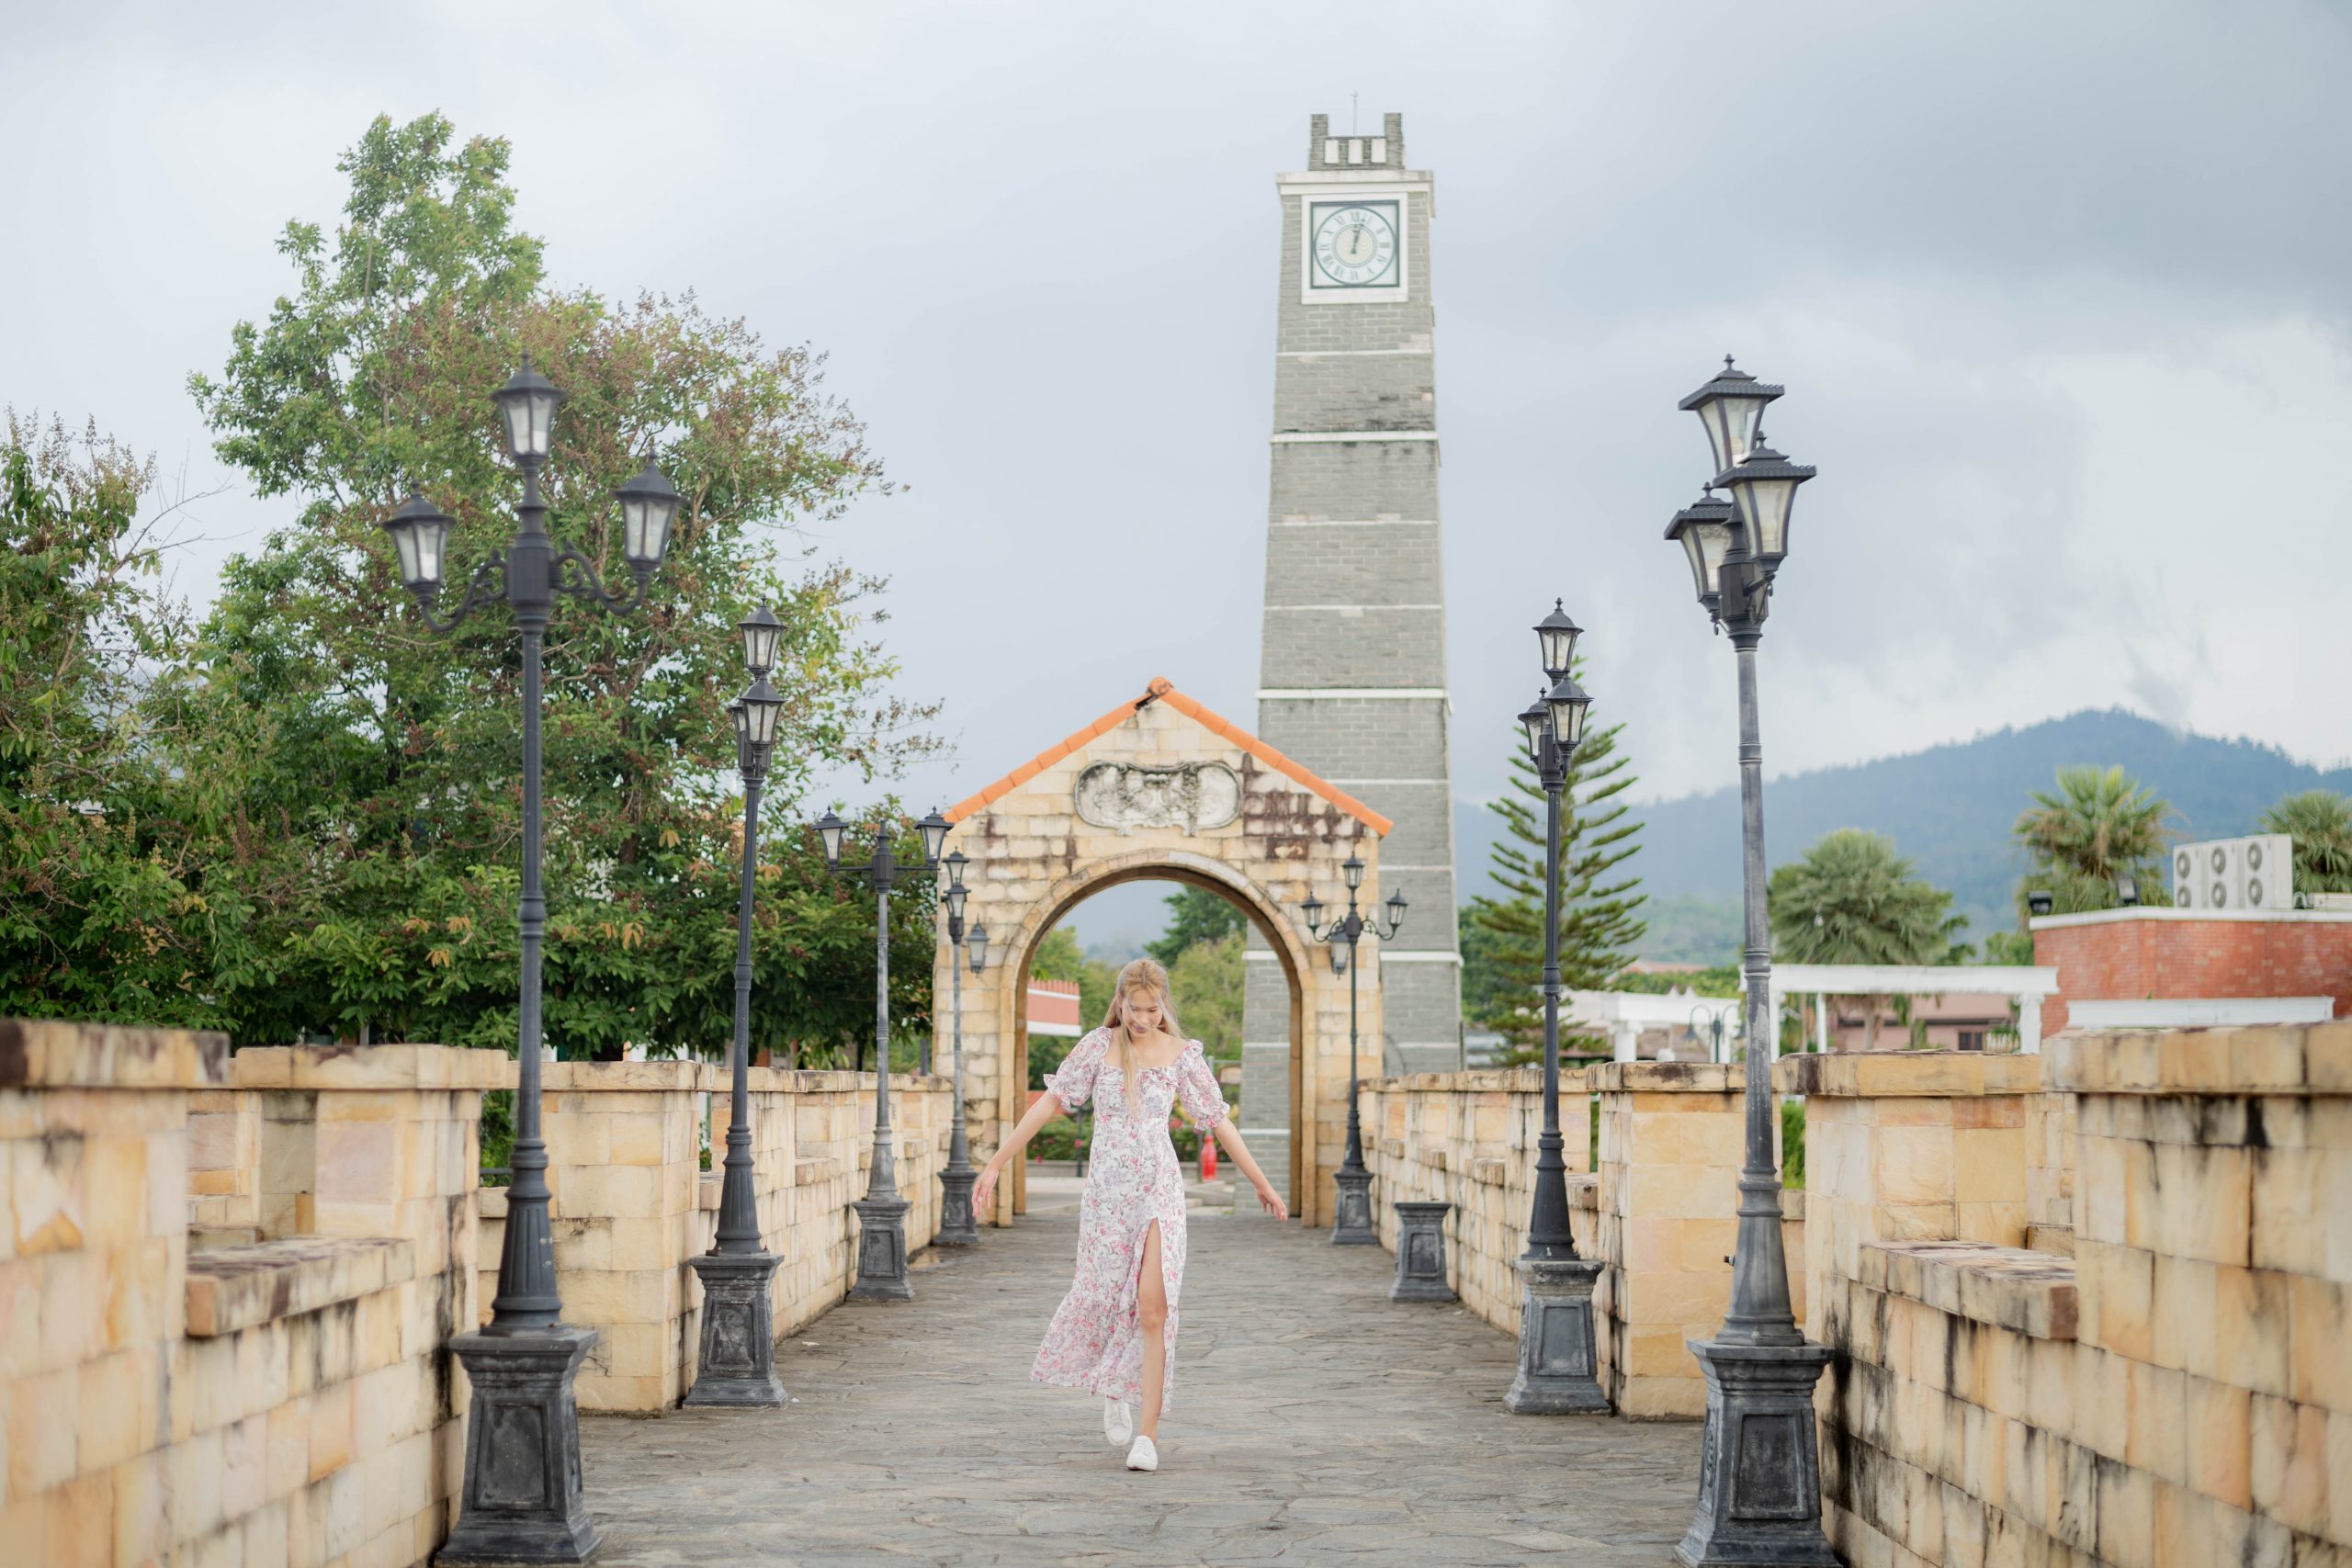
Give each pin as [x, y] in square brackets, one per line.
[404, 545]
[1353, 870]
[1714, 416]
[1396, 908]
[1312, 909]
[1339, 956]
[934, 835]
[830, 829]
[741, 717]
[977, 944]
[956, 864]
[432, 539]
[955, 896]
[1769, 503]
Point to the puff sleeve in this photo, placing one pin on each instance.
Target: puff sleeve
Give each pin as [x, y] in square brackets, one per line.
[1072, 1083]
[1196, 1088]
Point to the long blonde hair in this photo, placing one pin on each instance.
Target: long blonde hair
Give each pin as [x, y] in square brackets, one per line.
[1140, 974]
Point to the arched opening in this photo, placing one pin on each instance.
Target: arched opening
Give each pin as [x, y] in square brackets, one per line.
[1211, 876]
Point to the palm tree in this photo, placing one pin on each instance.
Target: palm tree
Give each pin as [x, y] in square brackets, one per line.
[2101, 831]
[1853, 900]
[2320, 821]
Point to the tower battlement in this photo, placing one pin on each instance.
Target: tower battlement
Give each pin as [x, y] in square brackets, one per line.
[1385, 150]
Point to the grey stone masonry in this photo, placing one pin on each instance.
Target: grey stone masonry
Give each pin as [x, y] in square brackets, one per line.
[1352, 672]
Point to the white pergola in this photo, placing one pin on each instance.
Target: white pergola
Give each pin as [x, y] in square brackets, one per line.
[2023, 983]
[1622, 1015]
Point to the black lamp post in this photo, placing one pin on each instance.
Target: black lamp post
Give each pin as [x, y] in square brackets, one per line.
[1559, 1373]
[881, 1213]
[958, 1224]
[1351, 1218]
[523, 1362]
[738, 1363]
[1759, 1488]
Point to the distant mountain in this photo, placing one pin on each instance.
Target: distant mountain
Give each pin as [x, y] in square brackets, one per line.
[1947, 809]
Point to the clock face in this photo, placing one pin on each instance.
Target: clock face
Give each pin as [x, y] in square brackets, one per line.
[1355, 244]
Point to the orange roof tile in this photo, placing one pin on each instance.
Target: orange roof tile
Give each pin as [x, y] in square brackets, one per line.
[1217, 724]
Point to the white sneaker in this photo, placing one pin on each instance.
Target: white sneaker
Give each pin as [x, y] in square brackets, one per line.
[1142, 1456]
[1118, 1421]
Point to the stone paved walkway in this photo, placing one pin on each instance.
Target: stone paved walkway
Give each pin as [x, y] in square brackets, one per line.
[1314, 1423]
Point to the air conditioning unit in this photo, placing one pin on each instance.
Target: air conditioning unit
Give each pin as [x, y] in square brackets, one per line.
[2251, 873]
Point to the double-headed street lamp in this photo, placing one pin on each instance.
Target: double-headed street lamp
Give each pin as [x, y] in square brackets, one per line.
[882, 1213]
[524, 1501]
[738, 1364]
[958, 1224]
[1351, 1219]
[1759, 1488]
[1557, 1371]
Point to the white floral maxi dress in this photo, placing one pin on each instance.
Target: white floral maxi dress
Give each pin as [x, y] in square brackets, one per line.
[1095, 1341]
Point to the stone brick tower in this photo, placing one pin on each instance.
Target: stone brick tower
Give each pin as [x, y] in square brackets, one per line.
[1352, 678]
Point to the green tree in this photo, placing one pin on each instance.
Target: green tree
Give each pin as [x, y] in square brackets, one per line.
[355, 791]
[96, 918]
[2320, 821]
[2100, 830]
[1599, 903]
[1851, 899]
[1207, 979]
[1195, 915]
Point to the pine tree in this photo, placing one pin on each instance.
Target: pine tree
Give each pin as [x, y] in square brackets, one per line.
[1599, 920]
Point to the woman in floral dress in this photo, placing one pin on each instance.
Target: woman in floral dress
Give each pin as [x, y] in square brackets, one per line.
[1114, 1333]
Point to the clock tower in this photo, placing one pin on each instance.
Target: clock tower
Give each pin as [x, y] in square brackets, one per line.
[1352, 676]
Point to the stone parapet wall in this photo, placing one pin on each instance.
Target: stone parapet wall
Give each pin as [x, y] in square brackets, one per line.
[633, 1205]
[1469, 1139]
[286, 1402]
[1658, 1213]
[2177, 1391]
[1673, 1136]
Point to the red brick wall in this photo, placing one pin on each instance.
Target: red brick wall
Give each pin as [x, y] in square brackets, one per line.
[2160, 954]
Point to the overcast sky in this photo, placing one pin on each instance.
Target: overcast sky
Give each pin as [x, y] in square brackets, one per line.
[2059, 293]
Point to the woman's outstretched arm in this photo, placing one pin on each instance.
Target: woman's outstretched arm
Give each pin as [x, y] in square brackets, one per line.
[1270, 1200]
[1049, 1105]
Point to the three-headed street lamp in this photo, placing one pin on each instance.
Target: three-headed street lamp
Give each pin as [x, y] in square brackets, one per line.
[1351, 1220]
[882, 1212]
[1759, 1489]
[1559, 1373]
[738, 1364]
[958, 1226]
[523, 1363]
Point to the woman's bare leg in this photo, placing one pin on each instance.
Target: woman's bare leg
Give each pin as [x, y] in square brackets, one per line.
[1151, 1317]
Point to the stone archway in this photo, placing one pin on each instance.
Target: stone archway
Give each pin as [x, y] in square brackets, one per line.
[1161, 787]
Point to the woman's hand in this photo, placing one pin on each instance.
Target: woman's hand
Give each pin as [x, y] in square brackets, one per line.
[1272, 1201]
[984, 1190]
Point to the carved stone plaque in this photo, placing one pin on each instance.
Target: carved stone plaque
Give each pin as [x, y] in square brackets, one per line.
[1123, 796]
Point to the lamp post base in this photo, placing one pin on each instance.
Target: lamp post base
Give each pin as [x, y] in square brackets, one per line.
[1558, 1374]
[523, 1500]
[958, 1225]
[1760, 1461]
[738, 1331]
[1352, 1208]
[881, 1251]
[1421, 1253]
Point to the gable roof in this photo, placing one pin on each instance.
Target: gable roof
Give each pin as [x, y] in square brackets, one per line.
[1160, 691]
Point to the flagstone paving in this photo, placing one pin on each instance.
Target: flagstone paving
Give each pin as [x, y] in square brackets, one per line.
[1314, 1422]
